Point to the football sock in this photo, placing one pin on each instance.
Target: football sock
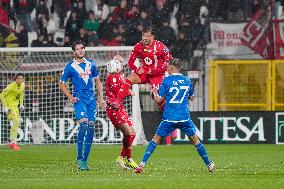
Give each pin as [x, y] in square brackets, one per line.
[149, 150]
[88, 141]
[123, 151]
[132, 137]
[124, 90]
[80, 138]
[15, 123]
[127, 146]
[168, 140]
[202, 152]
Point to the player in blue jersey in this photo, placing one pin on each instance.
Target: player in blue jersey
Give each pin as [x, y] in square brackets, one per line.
[82, 72]
[176, 89]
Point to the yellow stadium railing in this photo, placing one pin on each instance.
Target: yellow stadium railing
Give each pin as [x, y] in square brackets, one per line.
[243, 85]
[278, 85]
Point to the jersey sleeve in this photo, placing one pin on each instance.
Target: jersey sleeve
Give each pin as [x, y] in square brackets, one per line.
[94, 70]
[162, 89]
[65, 75]
[162, 62]
[134, 54]
[191, 90]
[22, 95]
[3, 95]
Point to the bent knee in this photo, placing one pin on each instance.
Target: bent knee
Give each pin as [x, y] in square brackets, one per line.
[157, 139]
[194, 139]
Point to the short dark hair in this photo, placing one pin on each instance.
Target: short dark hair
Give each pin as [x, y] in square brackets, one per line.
[176, 62]
[147, 29]
[18, 75]
[77, 43]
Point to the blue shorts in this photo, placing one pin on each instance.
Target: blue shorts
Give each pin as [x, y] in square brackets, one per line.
[86, 110]
[165, 128]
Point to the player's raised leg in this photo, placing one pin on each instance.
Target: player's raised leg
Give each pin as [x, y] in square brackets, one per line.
[155, 84]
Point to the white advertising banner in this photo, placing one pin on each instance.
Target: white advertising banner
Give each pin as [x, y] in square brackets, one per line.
[226, 41]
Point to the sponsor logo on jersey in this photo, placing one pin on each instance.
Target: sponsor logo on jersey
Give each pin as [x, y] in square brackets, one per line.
[147, 50]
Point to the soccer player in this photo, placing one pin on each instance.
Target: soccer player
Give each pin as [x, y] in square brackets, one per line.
[82, 71]
[154, 56]
[119, 117]
[176, 89]
[10, 97]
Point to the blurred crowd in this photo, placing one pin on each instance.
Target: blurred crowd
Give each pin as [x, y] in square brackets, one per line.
[182, 25]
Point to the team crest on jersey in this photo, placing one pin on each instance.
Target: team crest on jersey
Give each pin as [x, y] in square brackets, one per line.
[165, 50]
[148, 61]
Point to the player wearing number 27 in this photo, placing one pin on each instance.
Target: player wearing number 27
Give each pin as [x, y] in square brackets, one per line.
[154, 56]
[82, 71]
[177, 90]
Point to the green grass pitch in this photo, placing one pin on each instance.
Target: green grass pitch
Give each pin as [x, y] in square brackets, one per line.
[176, 166]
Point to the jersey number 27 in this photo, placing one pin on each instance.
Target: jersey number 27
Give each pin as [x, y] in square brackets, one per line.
[176, 90]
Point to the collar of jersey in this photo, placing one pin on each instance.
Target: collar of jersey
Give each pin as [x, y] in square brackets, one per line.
[176, 74]
[85, 61]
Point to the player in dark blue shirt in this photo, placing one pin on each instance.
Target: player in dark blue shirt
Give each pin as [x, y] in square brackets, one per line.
[82, 72]
[177, 90]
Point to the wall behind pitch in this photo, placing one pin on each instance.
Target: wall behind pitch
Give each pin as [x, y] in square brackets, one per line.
[227, 127]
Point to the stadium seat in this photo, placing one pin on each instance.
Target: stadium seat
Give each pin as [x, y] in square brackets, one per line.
[31, 36]
[58, 37]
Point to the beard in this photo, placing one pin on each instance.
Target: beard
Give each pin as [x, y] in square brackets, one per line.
[79, 57]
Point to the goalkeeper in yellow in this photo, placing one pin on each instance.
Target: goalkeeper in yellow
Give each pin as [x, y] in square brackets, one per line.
[10, 97]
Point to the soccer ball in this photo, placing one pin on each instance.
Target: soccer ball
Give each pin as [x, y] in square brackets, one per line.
[114, 66]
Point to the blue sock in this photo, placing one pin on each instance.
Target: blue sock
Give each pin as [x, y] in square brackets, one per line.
[202, 152]
[88, 141]
[80, 138]
[149, 151]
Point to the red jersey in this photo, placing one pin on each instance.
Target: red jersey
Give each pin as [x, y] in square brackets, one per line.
[120, 116]
[154, 57]
[113, 84]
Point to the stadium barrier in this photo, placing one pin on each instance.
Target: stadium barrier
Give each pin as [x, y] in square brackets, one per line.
[246, 85]
[229, 127]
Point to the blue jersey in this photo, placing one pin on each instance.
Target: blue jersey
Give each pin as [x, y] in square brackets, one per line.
[81, 75]
[176, 89]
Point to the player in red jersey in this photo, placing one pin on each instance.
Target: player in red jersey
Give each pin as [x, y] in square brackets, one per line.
[154, 56]
[119, 116]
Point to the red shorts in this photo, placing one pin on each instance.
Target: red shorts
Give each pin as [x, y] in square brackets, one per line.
[118, 117]
[155, 81]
